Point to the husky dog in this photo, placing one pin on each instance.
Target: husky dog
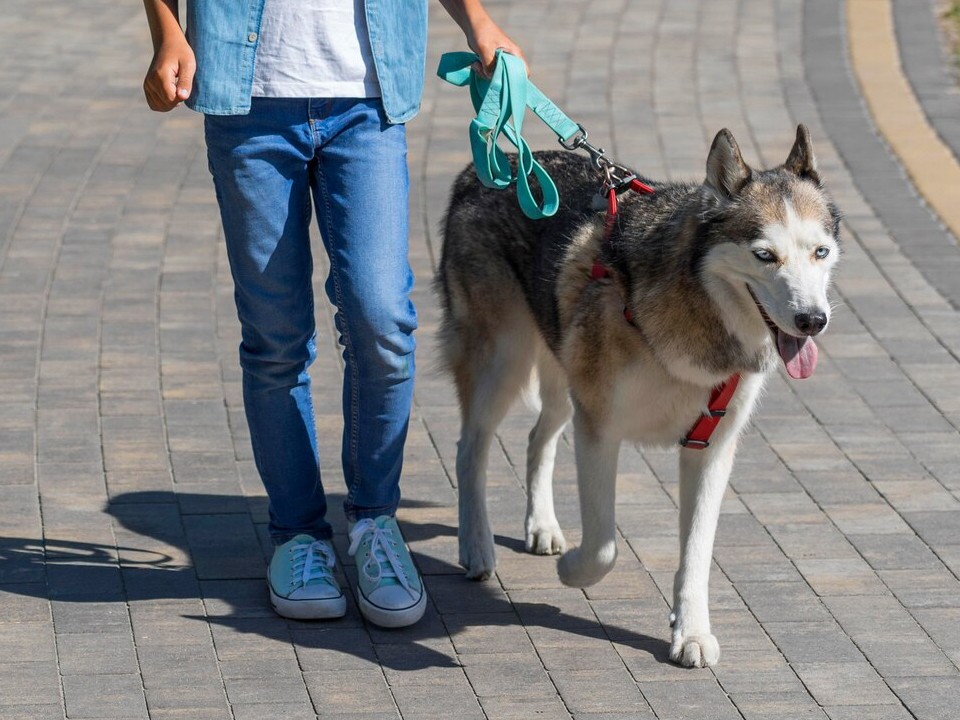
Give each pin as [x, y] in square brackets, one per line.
[703, 282]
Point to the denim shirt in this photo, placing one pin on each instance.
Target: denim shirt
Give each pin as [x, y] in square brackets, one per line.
[224, 36]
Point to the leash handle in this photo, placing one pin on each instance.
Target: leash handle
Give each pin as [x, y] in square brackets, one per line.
[500, 103]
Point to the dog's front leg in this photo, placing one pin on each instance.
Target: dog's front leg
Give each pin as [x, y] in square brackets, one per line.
[475, 537]
[703, 481]
[596, 452]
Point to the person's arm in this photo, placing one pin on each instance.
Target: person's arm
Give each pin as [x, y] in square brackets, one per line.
[170, 77]
[484, 36]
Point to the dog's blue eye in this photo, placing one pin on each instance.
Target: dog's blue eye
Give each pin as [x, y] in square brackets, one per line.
[765, 256]
[822, 252]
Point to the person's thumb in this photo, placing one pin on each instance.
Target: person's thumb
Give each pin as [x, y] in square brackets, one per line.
[188, 67]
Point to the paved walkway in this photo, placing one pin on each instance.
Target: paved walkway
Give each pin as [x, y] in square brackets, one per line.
[132, 540]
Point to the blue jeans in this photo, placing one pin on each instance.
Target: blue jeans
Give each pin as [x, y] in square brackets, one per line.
[266, 167]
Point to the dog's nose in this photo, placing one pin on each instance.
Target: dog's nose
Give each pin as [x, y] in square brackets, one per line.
[810, 323]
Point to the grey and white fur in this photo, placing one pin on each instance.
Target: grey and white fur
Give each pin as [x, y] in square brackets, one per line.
[718, 278]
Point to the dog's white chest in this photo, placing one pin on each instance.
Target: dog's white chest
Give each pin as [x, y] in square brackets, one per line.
[653, 409]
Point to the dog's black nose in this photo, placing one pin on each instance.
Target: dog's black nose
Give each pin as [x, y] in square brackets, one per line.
[810, 323]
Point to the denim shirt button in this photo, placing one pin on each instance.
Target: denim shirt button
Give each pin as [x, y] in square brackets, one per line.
[252, 37]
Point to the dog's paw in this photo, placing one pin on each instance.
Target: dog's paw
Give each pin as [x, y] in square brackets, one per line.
[545, 538]
[477, 555]
[578, 569]
[695, 650]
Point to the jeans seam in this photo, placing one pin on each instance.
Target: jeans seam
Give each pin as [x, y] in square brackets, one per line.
[353, 439]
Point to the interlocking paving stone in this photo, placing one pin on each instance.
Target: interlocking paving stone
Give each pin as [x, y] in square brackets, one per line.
[767, 707]
[29, 683]
[809, 642]
[505, 674]
[844, 683]
[186, 696]
[335, 691]
[23, 603]
[890, 552]
[27, 642]
[104, 696]
[196, 713]
[521, 708]
[927, 698]
[874, 712]
[688, 698]
[96, 653]
[841, 577]
[166, 666]
[782, 601]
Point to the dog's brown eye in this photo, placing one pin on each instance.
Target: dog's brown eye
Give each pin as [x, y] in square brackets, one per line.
[765, 256]
[822, 252]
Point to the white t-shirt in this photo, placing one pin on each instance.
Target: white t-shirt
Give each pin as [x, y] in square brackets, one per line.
[314, 48]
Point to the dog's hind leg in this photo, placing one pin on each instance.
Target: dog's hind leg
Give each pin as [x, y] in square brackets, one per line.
[596, 451]
[541, 529]
[488, 385]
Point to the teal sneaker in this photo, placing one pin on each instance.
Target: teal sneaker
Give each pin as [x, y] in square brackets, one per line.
[302, 585]
[390, 590]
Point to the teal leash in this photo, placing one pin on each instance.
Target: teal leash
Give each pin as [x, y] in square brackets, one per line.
[501, 103]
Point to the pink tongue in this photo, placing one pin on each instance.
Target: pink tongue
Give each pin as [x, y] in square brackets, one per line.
[799, 355]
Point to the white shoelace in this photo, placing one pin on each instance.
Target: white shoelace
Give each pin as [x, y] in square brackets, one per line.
[312, 561]
[383, 558]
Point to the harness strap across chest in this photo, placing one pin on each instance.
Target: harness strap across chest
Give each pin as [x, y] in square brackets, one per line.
[698, 437]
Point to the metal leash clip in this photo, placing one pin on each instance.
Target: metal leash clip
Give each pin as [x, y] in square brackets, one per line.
[616, 176]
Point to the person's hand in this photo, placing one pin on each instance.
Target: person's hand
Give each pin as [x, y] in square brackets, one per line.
[485, 37]
[170, 77]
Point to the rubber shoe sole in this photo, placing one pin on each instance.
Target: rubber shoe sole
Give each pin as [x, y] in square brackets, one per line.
[323, 609]
[389, 618]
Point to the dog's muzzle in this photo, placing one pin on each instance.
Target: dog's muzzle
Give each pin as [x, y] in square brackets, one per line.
[799, 354]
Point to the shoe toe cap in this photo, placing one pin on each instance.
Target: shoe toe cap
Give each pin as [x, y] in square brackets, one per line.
[315, 591]
[394, 597]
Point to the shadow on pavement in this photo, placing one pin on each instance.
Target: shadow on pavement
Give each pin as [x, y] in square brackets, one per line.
[161, 554]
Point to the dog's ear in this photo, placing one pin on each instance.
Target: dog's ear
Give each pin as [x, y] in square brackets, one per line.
[727, 173]
[801, 161]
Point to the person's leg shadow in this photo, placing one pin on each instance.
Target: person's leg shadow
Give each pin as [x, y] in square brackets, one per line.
[207, 549]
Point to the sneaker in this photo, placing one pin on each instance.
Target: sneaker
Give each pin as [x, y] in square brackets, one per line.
[390, 590]
[302, 585]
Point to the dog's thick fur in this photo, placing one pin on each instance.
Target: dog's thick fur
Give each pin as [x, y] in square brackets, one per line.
[716, 277]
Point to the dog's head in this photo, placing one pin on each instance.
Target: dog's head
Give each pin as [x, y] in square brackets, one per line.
[772, 240]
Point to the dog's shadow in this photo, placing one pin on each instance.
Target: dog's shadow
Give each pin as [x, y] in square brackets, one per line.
[162, 554]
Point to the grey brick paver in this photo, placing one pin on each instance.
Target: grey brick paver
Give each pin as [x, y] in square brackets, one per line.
[29, 683]
[928, 698]
[335, 691]
[104, 696]
[874, 712]
[96, 653]
[853, 683]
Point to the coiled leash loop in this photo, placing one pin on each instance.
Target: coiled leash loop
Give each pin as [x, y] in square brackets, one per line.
[500, 103]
